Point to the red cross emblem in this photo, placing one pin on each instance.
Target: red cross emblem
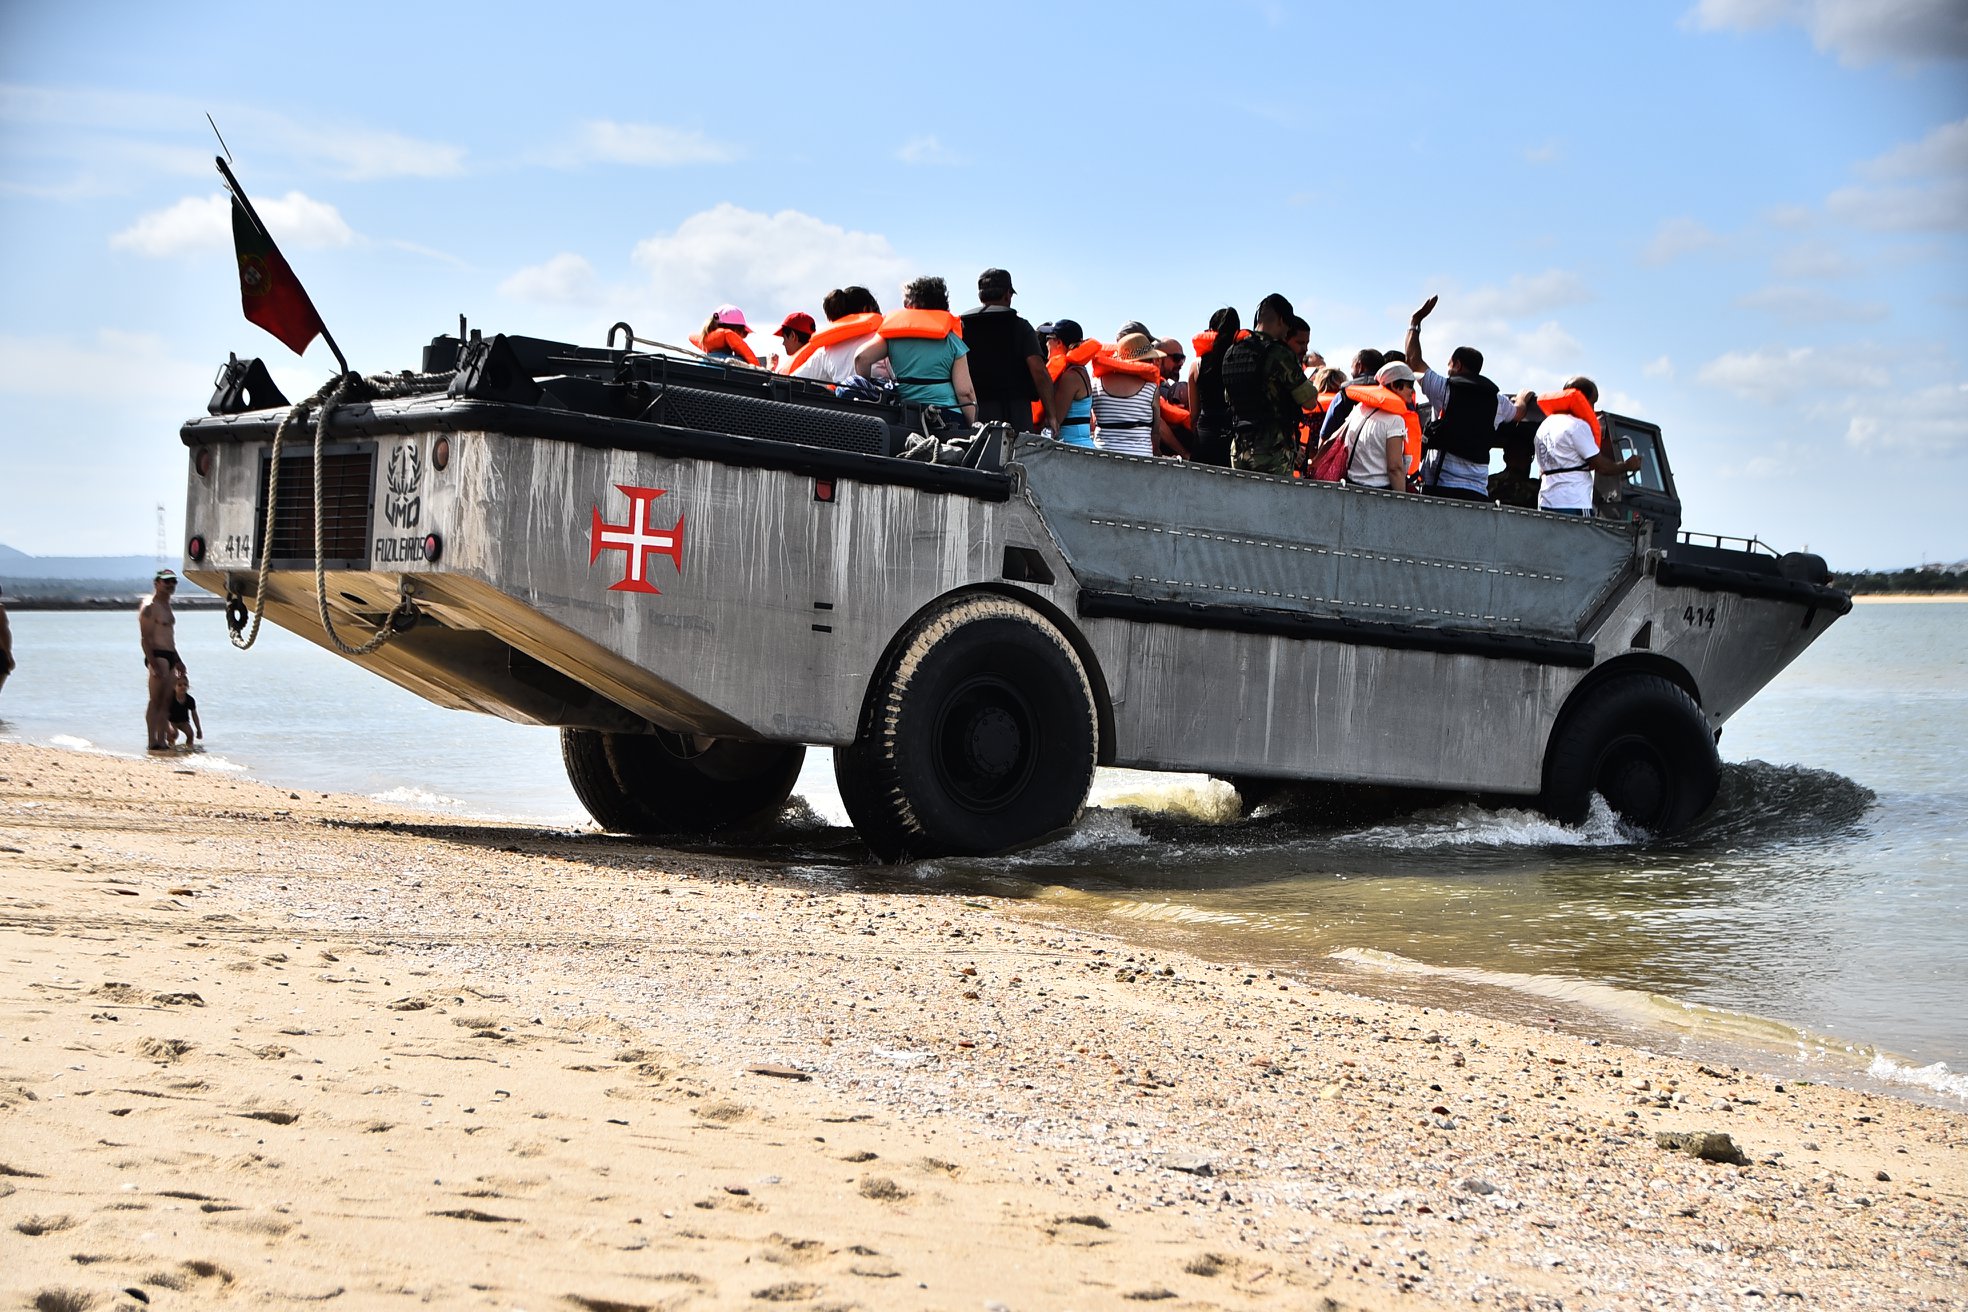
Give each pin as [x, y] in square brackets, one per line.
[636, 539]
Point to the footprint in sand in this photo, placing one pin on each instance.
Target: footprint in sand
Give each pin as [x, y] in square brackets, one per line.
[882, 1189]
[35, 1226]
[165, 1051]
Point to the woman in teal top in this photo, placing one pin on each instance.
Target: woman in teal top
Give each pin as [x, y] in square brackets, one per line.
[923, 343]
[1072, 392]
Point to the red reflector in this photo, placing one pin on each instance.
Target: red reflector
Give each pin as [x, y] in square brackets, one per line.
[195, 548]
[823, 489]
[433, 546]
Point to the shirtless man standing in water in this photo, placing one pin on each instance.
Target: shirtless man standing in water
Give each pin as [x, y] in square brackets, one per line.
[158, 629]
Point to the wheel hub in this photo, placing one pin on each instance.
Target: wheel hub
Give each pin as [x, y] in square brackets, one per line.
[986, 743]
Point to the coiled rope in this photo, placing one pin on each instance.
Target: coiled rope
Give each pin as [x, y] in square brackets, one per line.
[325, 399]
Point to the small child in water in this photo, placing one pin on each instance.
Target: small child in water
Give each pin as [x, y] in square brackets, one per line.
[184, 710]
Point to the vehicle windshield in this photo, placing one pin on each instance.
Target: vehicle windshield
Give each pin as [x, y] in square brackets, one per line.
[1626, 439]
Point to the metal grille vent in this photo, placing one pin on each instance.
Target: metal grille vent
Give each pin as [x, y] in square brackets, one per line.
[347, 492]
[774, 421]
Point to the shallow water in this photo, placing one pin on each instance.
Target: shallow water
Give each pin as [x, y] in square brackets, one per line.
[1818, 908]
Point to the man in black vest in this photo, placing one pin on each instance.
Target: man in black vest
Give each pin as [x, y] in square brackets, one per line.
[1468, 409]
[1267, 391]
[1007, 364]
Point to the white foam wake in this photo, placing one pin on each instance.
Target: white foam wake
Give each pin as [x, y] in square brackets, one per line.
[421, 798]
[1469, 825]
[1936, 1077]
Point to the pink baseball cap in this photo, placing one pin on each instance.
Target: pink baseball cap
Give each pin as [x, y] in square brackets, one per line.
[733, 317]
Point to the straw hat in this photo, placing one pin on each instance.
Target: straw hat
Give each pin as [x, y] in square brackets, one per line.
[1137, 346]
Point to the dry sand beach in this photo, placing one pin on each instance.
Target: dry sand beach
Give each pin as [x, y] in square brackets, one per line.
[271, 1050]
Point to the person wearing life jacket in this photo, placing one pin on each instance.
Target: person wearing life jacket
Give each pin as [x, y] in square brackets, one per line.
[1468, 410]
[1126, 400]
[723, 336]
[923, 342]
[1007, 366]
[1173, 389]
[1366, 362]
[1568, 450]
[853, 315]
[1072, 385]
[1209, 413]
[1267, 392]
[1330, 382]
[1383, 433]
[794, 332]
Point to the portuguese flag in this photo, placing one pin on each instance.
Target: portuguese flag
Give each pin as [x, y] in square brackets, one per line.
[270, 294]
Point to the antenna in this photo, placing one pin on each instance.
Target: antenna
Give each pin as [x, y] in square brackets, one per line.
[160, 533]
[222, 146]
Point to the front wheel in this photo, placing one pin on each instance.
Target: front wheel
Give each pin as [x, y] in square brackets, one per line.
[664, 784]
[979, 735]
[1641, 743]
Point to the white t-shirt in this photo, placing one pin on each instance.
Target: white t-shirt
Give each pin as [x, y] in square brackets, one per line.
[1367, 432]
[834, 364]
[1564, 442]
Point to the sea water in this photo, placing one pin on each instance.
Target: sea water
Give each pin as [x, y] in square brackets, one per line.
[1817, 913]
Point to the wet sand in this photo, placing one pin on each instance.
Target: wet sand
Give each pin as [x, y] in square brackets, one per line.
[281, 1050]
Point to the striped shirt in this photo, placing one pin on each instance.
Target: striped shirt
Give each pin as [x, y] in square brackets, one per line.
[1124, 423]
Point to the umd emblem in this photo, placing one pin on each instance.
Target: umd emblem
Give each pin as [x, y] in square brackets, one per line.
[404, 504]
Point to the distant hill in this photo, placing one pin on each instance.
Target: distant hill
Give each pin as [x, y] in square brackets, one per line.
[18, 565]
[25, 578]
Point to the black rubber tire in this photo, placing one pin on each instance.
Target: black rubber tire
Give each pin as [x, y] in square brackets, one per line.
[1640, 742]
[584, 753]
[979, 736]
[662, 785]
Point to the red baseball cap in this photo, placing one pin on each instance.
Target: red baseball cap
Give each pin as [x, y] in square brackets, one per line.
[799, 321]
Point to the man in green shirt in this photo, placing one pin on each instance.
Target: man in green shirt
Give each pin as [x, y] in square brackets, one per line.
[1268, 391]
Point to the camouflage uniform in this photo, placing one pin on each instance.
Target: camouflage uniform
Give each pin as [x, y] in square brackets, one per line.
[1267, 442]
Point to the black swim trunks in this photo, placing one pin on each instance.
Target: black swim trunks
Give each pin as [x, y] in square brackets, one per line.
[169, 655]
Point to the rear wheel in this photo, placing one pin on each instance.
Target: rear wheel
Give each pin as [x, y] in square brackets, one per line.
[1641, 743]
[673, 784]
[979, 736]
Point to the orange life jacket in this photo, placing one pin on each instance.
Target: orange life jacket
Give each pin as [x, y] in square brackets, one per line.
[1571, 402]
[933, 325]
[1202, 341]
[1385, 399]
[723, 339]
[840, 330]
[1105, 364]
[1175, 416]
[1057, 360]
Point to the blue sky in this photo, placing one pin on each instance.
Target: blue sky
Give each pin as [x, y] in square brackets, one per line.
[1745, 218]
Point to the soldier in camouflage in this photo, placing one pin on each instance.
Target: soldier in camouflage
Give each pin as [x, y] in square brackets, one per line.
[1267, 391]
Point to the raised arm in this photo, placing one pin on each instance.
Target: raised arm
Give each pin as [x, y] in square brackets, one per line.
[1413, 345]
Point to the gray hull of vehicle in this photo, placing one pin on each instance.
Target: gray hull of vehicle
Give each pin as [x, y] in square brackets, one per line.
[1232, 623]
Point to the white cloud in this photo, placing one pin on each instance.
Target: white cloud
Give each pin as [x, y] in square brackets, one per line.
[1659, 367]
[199, 223]
[645, 145]
[1552, 151]
[1931, 421]
[114, 367]
[1856, 31]
[566, 279]
[1678, 237]
[1944, 152]
[1926, 186]
[1811, 305]
[106, 133]
[1812, 259]
[1523, 297]
[926, 150]
[765, 263]
[1776, 372]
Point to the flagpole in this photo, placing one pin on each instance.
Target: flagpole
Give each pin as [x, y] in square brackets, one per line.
[239, 194]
